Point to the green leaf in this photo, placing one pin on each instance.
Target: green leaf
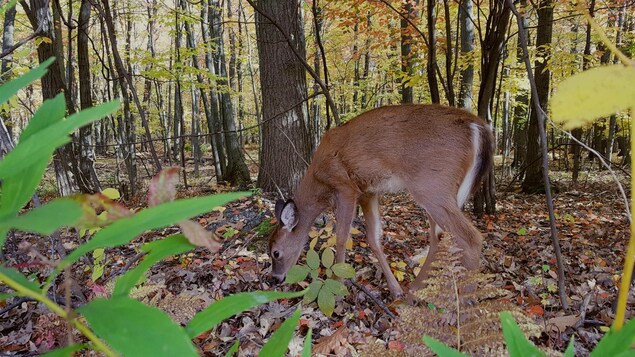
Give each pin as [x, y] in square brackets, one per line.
[614, 343]
[279, 341]
[49, 113]
[344, 270]
[312, 259]
[306, 350]
[336, 287]
[67, 351]
[592, 94]
[111, 193]
[124, 230]
[570, 351]
[5, 296]
[517, 343]
[39, 145]
[14, 275]
[158, 250]
[522, 231]
[232, 305]
[233, 349]
[10, 89]
[18, 189]
[49, 217]
[312, 291]
[441, 349]
[326, 301]
[135, 329]
[328, 257]
[297, 273]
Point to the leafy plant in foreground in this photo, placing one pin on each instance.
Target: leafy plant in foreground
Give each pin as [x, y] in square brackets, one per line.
[324, 290]
[120, 324]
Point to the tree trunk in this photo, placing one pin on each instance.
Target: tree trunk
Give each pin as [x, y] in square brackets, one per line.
[6, 129]
[236, 171]
[492, 48]
[286, 144]
[534, 181]
[86, 148]
[432, 53]
[467, 46]
[409, 10]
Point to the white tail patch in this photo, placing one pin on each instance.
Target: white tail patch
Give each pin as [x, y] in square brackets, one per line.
[468, 181]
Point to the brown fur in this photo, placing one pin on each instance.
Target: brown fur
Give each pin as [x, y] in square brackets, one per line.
[424, 149]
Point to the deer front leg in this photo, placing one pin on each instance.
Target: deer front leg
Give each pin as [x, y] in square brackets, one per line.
[344, 217]
[370, 208]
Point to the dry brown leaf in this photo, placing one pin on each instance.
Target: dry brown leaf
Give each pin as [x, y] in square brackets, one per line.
[199, 236]
[332, 344]
[559, 324]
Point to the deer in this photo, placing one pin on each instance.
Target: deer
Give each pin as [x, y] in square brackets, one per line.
[438, 154]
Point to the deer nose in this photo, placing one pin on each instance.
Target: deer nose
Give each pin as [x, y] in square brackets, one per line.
[279, 277]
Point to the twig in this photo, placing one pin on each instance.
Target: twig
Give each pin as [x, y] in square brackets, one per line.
[36, 33]
[545, 158]
[583, 307]
[373, 298]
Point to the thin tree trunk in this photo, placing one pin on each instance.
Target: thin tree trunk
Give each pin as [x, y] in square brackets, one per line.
[432, 52]
[467, 46]
[6, 131]
[409, 11]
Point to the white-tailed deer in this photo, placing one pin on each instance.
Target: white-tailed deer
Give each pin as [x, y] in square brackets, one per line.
[439, 154]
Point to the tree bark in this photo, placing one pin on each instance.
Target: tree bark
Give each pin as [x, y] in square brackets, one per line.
[467, 46]
[236, 171]
[534, 181]
[409, 10]
[86, 148]
[6, 129]
[286, 143]
[432, 53]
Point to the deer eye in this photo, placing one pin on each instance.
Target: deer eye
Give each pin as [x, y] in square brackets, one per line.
[275, 254]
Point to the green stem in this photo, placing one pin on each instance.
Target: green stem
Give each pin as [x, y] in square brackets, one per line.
[98, 344]
[630, 252]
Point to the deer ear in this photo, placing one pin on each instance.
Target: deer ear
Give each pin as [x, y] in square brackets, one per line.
[289, 215]
[279, 206]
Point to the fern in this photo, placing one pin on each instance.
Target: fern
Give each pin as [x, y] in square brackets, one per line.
[459, 308]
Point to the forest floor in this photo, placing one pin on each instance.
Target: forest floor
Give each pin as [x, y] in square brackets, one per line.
[592, 228]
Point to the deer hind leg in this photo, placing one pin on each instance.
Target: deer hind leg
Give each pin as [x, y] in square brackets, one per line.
[449, 217]
[370, 208]
[435, 235]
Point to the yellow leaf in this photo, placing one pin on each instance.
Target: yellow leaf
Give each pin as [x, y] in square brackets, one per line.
[349, 243]
[355, 230]
[313, 243]
[313, 233]
[111, 193]
[399, 275]
[592, 94]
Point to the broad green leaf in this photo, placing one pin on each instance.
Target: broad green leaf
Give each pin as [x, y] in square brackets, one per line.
[233, 349]
[306, 350]
[517, 344]
[570, 351]
[49, 217]
[125, 229]
[312, 291]
[5, 296]
[111, 193]
[158, 250]
[328, 257]
[336, 287]
[297, 273]
[18, 190]
[592, 94]
[326, 301]
[39, 145]
[135, 329]
[12, 274]
[312, 259]
[278, 343]
[50, 112]
[230, 306]
[9, 89]
[615, 343]
[67, 351]
[343, 270]
[441, 349]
